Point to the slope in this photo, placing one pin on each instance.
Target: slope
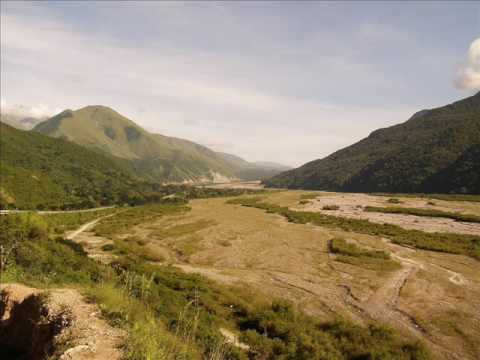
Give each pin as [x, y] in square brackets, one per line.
[42, 172]
[410, 157]
[155, 156]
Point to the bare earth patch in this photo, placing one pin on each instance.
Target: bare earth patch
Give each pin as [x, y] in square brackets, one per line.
[56, 322]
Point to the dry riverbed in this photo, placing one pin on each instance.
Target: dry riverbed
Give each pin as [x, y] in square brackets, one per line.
[429, 296]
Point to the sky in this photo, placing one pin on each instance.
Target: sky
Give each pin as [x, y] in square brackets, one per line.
[282, 81]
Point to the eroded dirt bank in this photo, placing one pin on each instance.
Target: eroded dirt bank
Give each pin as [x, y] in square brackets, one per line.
[37, 324]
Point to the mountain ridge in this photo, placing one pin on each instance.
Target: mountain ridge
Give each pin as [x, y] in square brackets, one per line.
[156, 157]
[402, 158]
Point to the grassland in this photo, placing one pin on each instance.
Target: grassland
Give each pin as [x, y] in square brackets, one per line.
[353, 254]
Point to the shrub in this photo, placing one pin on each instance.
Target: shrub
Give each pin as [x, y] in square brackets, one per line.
[394, 201]
[108, 247]
[330, 207]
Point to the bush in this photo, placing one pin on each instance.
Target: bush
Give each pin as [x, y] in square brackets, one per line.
[394, 201]
[330, 207]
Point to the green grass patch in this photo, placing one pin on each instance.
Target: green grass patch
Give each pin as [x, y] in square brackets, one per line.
[342, 247]
[355, 255]
[132, 216]
[179, 230]
[394, 201]
[425, 212]
[309, 196]
[443, 242]
[331, 207]
[61, 222]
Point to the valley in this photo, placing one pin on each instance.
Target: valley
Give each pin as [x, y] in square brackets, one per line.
[425, 295]
[239, 180]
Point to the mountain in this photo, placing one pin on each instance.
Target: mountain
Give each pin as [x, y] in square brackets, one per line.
[155, 156]
[38, 171]
[249, 171]
[434, 151]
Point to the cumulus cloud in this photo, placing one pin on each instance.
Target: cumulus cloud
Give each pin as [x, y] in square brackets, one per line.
[468, 76]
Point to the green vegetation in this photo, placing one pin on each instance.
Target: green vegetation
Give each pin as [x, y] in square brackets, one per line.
[352, 254]
[342, 247]
[182, 229]
[309, 196]
[330, 207]
[425, 212]
[435, 151]
[394, 201]
[58, 223]
[39, 173]
[172, 315]
[305, 198]
[129, 217]
[443, 242]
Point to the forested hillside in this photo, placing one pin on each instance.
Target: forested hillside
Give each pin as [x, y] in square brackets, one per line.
[435, 151]
[42, 172]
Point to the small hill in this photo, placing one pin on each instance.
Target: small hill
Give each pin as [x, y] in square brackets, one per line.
[155, 156]
[42, 172]
[434, 151]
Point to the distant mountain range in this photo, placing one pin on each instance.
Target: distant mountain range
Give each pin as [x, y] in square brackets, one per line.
[21, 122]
[435, 151]
[245, 170]
[154, 156]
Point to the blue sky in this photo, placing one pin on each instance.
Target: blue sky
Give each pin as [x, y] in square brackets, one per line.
[283, 81]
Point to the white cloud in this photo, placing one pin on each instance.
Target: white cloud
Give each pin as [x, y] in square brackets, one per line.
[242, 103]
[468, 76]
[39, 111]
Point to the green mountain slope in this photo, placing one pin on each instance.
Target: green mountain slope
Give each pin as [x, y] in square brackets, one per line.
[42, 172]
[155, 156]
[435, 151]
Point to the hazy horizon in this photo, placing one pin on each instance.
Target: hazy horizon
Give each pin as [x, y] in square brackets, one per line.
[281, 82]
